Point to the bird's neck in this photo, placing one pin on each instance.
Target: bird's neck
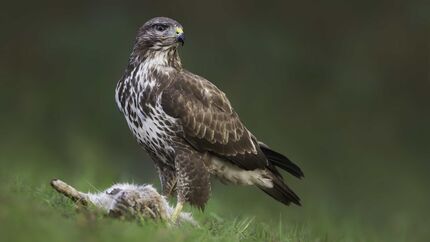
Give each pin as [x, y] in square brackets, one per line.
[157, 58]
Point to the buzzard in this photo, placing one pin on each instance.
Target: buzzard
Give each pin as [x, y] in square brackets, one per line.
[188, 126]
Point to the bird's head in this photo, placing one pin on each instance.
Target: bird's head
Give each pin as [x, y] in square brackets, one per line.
[160, 33]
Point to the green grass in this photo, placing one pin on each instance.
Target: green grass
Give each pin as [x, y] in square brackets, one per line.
[352, 204]
[40, 214]
[35, 212]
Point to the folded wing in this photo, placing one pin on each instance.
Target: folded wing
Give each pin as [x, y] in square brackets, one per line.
[209, 123]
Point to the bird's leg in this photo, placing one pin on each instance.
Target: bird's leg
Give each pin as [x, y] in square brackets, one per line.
[177, 211]
[172, 188]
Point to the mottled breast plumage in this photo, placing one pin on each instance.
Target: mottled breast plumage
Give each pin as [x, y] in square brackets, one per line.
[138, 97]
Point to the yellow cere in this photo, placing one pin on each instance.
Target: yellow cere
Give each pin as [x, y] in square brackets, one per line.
[179, 30]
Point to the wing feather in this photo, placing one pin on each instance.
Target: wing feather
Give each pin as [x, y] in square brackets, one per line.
[208, 121]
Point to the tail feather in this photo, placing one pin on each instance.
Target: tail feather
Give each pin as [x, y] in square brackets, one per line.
[281, 192]
[281, 161]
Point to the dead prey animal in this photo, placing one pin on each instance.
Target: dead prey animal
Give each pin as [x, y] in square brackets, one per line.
[124, 200]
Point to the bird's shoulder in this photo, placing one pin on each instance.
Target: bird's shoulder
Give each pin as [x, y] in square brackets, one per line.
[199, 89]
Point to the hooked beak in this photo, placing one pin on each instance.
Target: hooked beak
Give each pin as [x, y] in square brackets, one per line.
[180, 37]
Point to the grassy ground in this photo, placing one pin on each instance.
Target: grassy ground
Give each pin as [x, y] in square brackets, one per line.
[348, 202]
[34, 212]
[40, 214]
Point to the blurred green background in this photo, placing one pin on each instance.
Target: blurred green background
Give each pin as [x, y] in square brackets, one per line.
[341, 87]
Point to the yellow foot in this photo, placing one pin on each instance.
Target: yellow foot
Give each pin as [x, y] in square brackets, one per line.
[177, 212]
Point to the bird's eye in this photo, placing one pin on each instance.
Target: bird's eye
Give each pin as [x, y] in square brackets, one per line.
[160, 27]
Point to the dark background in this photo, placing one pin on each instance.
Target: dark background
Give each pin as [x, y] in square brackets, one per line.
[340, 87]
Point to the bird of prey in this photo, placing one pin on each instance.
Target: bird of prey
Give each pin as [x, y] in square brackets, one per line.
[188, 126]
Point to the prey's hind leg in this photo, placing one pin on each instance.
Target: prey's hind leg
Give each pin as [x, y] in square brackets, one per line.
[70, 192]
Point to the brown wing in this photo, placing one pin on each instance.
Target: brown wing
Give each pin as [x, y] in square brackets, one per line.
[209, 122]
